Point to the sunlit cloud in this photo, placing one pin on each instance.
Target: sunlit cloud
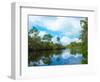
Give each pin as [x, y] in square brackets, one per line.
[68, 27]
[66, 40]
[42, 33]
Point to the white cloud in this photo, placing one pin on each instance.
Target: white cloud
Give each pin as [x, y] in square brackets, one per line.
[55, 25]
[64, 24]
[54, 39]
[79, 40]
[42, 33]
[66, 40]
[31, 35]
[75, 39]
[68, 33]
[34, 18]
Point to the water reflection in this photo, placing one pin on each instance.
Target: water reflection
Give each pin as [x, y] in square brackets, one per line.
[54, 57]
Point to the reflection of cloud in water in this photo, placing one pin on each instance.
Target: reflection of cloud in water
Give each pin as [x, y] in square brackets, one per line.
[40, 62]
[65, 55]
[66, 58]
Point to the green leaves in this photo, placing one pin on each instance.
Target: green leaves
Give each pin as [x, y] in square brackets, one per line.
[33, 31]
[35, 42]
[47, 37]
[81, 47]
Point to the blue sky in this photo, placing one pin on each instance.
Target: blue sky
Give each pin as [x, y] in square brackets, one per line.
[67, 28]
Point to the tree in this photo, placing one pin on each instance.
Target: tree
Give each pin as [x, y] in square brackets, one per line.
[47, 37]
[58, 39]
[35, 42]
[84, 38]
[34, 31]
[84, 32]
[81, 47]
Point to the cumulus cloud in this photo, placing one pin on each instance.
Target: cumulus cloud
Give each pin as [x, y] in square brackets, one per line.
[79, 40]
[66, 40]
[42, 33]
[64, 24]
[69, 27]
[54, 39]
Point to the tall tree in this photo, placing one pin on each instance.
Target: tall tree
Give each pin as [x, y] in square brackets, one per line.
[84, 32]
[84, 38]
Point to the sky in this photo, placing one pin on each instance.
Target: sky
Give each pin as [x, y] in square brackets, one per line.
[67, 28]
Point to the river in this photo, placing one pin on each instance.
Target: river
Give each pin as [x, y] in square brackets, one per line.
[54, 57]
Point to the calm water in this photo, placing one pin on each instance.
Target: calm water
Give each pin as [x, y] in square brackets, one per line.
[54, 57]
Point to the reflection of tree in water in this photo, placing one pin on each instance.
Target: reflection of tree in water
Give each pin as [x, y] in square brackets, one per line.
[75, 51]
[43, 56]
[81, 47]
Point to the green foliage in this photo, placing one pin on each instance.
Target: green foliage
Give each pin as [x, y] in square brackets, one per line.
[81, 47]
[45, 55]
[84, 37]
[35, 42]
[47, 37]
[34, 31]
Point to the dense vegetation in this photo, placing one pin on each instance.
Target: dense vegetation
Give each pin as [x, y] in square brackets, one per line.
[35, 42]
[81, 47]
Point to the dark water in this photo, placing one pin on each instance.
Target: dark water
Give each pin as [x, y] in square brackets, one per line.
[54, 57]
